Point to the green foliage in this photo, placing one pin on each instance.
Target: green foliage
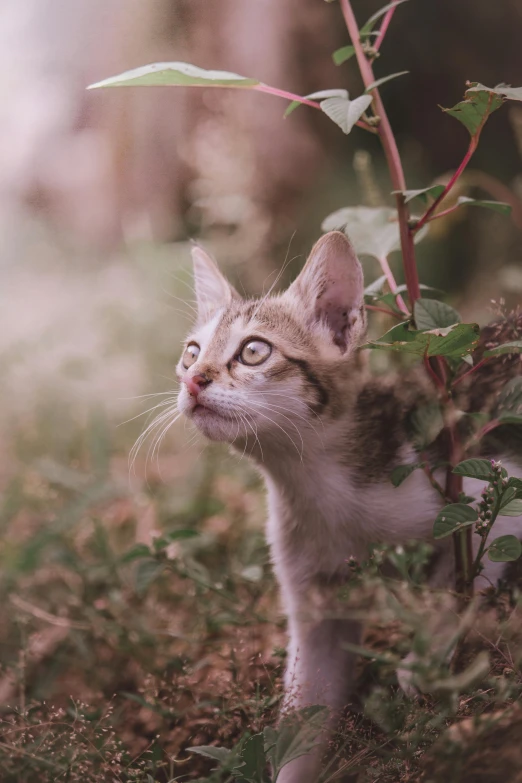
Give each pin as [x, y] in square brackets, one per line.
[321, 94]
[345, 112]
[424, 194]
[384, 79]
[453, 518]
[513, 347]
[481, 469]
[367, 28]
[401, 472]
[451, 341]
[343, 54]
[505, 549]
[430, 314]
[495, 206]
[508, 409]
[476, 107]
[175, 74]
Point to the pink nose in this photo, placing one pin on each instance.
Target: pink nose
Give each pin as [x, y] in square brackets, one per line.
[195, 383]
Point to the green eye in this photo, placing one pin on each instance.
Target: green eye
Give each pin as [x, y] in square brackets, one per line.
[191, 354]
[255, 352]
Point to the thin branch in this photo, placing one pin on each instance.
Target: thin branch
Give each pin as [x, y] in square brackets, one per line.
[443, 213]
[385, 266]
[469, 372]
[392, 156]
[383, 310]
[290, 96]
[384, 27]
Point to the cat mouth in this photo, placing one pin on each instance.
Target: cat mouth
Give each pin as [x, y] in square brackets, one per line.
[204, 411]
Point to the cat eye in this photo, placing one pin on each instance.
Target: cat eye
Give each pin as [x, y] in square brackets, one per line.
[255, 352]
[191, 354]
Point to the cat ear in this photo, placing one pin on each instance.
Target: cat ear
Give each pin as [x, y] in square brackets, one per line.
[331, 288]
[212, 289]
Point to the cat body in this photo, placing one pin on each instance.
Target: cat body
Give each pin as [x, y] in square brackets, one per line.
[280, 379]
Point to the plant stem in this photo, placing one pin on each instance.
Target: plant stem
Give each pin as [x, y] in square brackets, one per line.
[384, 27]
[392, 156]
[470, 372]
[383, 310]
[385, 266]
[290, 96]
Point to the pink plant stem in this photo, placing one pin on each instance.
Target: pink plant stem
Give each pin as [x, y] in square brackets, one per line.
[384, 27]
[467, 157]
[444, 212]
[383, 261]
[392, 156]
[383, 310]
[469, 372]
[293, 97]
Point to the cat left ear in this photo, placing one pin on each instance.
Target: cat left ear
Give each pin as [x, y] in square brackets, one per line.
[212, 289]
[331, 287]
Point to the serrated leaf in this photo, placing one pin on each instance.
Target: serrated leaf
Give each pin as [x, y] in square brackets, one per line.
[476, 107]
[430, 314]
[253, 761]
[512, 509]
[344, 112]
[496, 206]
[451, 341]
[383, 80]
[296, 735]
[505, 90]
[433, 191]
[505, 549]
[211, 752]
[481, 469]
[452, 518]
[401, 472]
[508, 409]
[337, 93]
[514, 347]
[373, 231]
[343, 54]
[369, 25]
[175, 74]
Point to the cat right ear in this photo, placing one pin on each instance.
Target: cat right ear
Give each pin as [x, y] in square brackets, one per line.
[212, 289]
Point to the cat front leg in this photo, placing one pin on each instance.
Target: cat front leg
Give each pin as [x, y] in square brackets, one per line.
[320, 671]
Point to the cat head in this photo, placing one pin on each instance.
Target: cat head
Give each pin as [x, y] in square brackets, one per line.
[262, 371]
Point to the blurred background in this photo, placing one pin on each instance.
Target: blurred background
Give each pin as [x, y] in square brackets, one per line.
[100, 192]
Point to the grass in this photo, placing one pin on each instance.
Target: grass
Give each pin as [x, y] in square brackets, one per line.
[139, 615]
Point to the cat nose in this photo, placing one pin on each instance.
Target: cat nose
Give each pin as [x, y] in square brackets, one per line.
[195, 383]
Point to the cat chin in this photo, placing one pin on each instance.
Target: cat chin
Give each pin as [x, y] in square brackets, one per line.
[213, 426]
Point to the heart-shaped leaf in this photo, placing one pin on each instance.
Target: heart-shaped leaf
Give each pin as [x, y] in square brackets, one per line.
[343, 54]
[430, 314]
[175, 74]
[344, 112]
[505, 549]
[479, 102]
[481, 469]
[452, 518]
[514, 347]
[337, 93]
[496, 206]
[373, 231]
[384, 79]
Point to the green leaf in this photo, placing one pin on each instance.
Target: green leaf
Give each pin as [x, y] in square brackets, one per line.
[452, 518]
[296, 735]
[176, 535]
[507, 496]
[175, 74]
[383, 80]
[451, 341]
[426, 423]
[430, 314]
[401, 472]
[137, 552]
[343, 54]
[373, 231]
[508, 409]
[514, 347]
[344, 112]
[433, 191]
[475, 468]
[337, 93]
[146, 573]
[211, 752]
[479, 102]
[496, 206]
[505, 90]
[368, 26]
[253, 761]
[512, 509]
[515, 482]
[505, 549]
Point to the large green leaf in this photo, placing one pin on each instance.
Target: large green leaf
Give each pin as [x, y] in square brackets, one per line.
[496, 206]
[211, 752]
[343, 54]
[504, 90]
[321, 94]
[479, 102]
[373, 231]
[514, 347]
[344, 112]
[384, 79]
[505, 549]
[508, 409]
[481, 469]
[433, 191]
[296, 735]
[452, 518]
[252, 766]
[430, 314]
[512, 509]
[451, 341]
[175, 74]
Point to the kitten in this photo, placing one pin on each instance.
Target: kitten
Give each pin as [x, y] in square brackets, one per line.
[280, 379]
